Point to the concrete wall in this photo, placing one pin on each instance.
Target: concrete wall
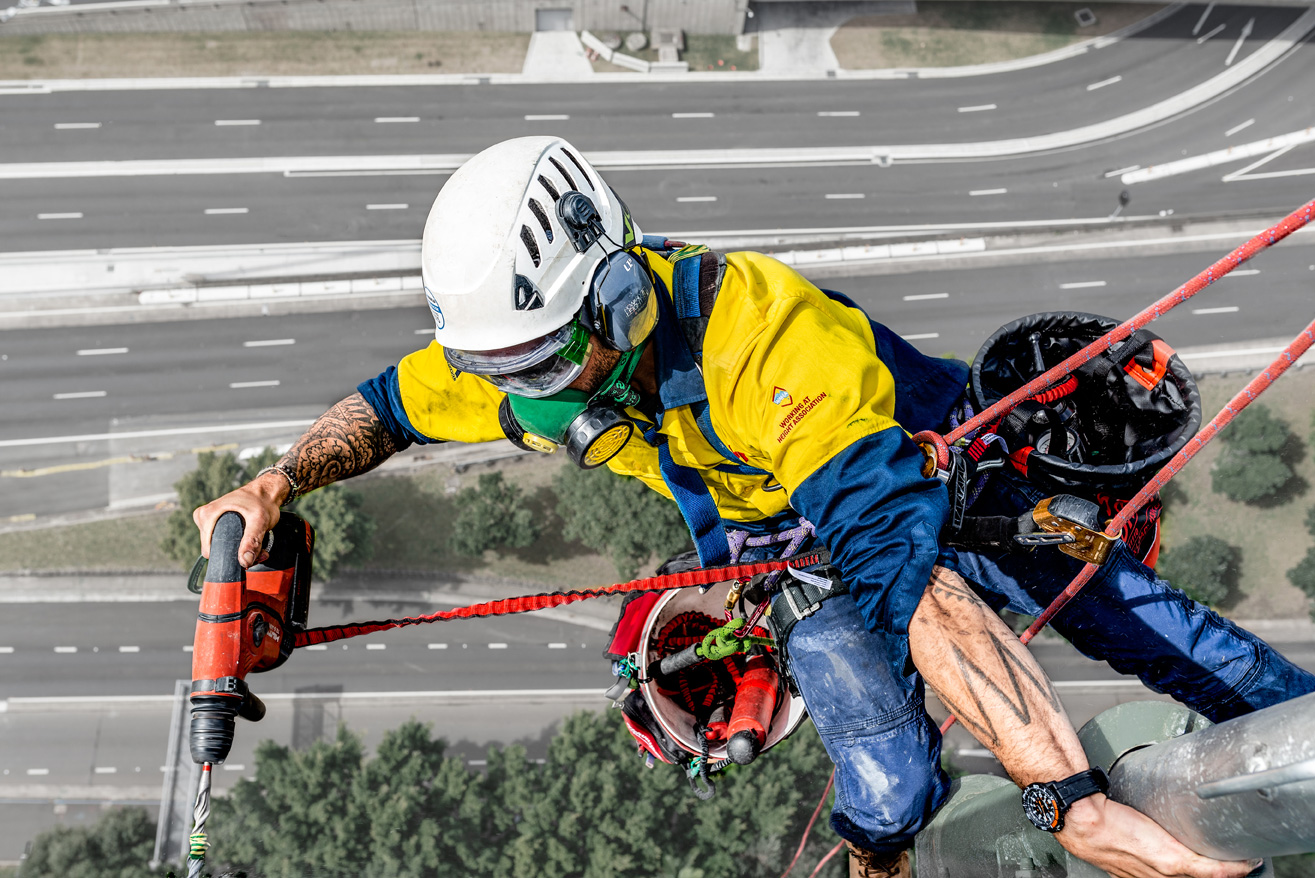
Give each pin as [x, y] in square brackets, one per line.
[695, 16]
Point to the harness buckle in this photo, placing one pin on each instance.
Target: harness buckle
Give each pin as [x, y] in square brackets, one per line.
[1077, 518]
[787, 591]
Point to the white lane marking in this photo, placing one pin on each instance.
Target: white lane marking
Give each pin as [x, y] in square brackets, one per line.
[497, 646]
[1226, 309]
[388, 120]
[74, 126]
[1237, 47]
[268, 342]
[686, 199]
[1243, 272]
[187, 648]
[376, 646]
[318, 647]
[844, 196]
[130, 649]
[1082, 285]
[223, 123]
[1202, 39]
[1269, 146]
[393, 206]
[106, 769]
[66, 649]
[1201, 21]
[1121, 171]
[977, 192]
[1236, 128]
[82, 394]
[425, 332]
[237, 766]
[920, 336]
[50, 216]
[693, 115]
[557, 646]
[849, 114]
[977, 109]
[6, 650]
[100, 352]
[38, 772]
[547, 117]
[1104, 82]
[147, 434]
[438, 646]
[241, 385]
[922, 297]
[224, 211]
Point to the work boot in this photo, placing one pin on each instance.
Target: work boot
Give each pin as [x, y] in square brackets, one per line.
[867, 864]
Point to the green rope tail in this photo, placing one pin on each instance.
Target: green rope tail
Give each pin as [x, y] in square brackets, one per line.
[720, 643]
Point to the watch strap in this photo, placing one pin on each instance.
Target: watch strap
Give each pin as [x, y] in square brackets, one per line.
[1079, 786]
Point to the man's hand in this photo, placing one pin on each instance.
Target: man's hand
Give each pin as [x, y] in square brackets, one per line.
[1128, 844]
[258, 503]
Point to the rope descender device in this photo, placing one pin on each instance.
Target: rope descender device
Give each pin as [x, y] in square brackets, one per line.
[1076, 519]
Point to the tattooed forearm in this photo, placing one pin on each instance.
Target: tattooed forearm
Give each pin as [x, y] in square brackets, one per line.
[347, 440]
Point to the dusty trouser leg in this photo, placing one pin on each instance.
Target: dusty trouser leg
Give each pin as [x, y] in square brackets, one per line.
[1137, 623]
[866, 701]
[866, 864]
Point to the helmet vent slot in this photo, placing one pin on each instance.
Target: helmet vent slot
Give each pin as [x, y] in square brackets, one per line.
[527, 238]
[558, 165]
[583, 173]
[542, 217]
[552, 190]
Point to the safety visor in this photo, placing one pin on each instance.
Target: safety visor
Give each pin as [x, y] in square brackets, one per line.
[536, 368]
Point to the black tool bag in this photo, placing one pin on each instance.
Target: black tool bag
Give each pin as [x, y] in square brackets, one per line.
[1133, 407]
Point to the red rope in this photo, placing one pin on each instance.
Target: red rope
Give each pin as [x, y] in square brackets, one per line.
[831, 853]
[530, 603]
[811, 820]
[1241, 400]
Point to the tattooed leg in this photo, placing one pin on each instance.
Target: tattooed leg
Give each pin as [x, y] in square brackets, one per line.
[347, 440]
[991, 682]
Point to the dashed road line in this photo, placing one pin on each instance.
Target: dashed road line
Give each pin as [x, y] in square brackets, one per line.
[976, 192]
[130, 649]
[424, 332]
[557, 646]
[236, 766]
[844, 196]
[59, 216]
[1121, 171]
[1225, 309]
[839, 113]
[438, 646]
[38, 772]
[980, 108]
[497, 646]
[75, 126]
[82, 394]
[187, 648]
[392, 120]
[242, 385]
[389, 206]
[917, 336]
[547, 117]
[228, 123]
[7, 650]
[922, 297]
[1202, 39]
[65, 650]
[376, 646]
[1243, 272]
[693, 115]
[689, 199]
[268, 342]
[317, 647]
[225, 211]
[106, 769]
[1201, 21]
[101, 352]
[1236, 128]
[1104, 82]
[1082, 285]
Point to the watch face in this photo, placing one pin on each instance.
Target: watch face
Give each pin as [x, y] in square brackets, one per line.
[1042, 807]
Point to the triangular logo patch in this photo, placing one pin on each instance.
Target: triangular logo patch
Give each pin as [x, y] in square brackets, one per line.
[781, 396]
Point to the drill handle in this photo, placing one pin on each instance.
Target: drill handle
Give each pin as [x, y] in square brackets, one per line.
[224, 544]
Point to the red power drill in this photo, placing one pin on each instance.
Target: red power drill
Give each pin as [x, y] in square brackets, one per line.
[247, 623]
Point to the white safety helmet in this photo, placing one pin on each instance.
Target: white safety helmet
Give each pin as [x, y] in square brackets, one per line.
[513, 246]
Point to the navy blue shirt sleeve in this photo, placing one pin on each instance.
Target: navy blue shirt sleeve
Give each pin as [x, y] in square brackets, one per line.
[881, 519]
[384, 396]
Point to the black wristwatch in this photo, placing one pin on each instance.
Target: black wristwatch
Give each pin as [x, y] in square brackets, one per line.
[1046, 803]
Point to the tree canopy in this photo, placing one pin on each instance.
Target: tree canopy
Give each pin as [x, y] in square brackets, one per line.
[492, 515]
[1204, 567]
[1256, 463]
[619, 517]
[116, 846]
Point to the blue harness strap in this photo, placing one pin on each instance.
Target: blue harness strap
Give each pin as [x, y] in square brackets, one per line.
[695, 502]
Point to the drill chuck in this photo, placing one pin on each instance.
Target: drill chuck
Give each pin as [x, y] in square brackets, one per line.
[213, 724]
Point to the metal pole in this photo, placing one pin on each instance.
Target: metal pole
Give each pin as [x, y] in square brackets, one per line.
[171, 825]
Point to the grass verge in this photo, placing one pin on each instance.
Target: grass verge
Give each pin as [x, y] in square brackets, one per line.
[944, 33]
[702, 52]
[275, 53]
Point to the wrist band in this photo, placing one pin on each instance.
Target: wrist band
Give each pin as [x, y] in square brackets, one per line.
[293, 487]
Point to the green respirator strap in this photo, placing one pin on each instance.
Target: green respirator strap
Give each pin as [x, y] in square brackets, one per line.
[550, 416]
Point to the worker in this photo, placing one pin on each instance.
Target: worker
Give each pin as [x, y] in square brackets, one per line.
[733, 385]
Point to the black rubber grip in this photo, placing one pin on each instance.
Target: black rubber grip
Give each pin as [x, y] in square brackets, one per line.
[679, 661]
[224, 545]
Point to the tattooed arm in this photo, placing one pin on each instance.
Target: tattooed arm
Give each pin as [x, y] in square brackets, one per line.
[990, 681]
[347, 440]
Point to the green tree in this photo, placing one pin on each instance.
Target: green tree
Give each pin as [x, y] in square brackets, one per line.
[215, 475]
[1255, 465]
[1205, 568]
[116, 846]
[492, 516]
[619, 517]
[343, 533]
